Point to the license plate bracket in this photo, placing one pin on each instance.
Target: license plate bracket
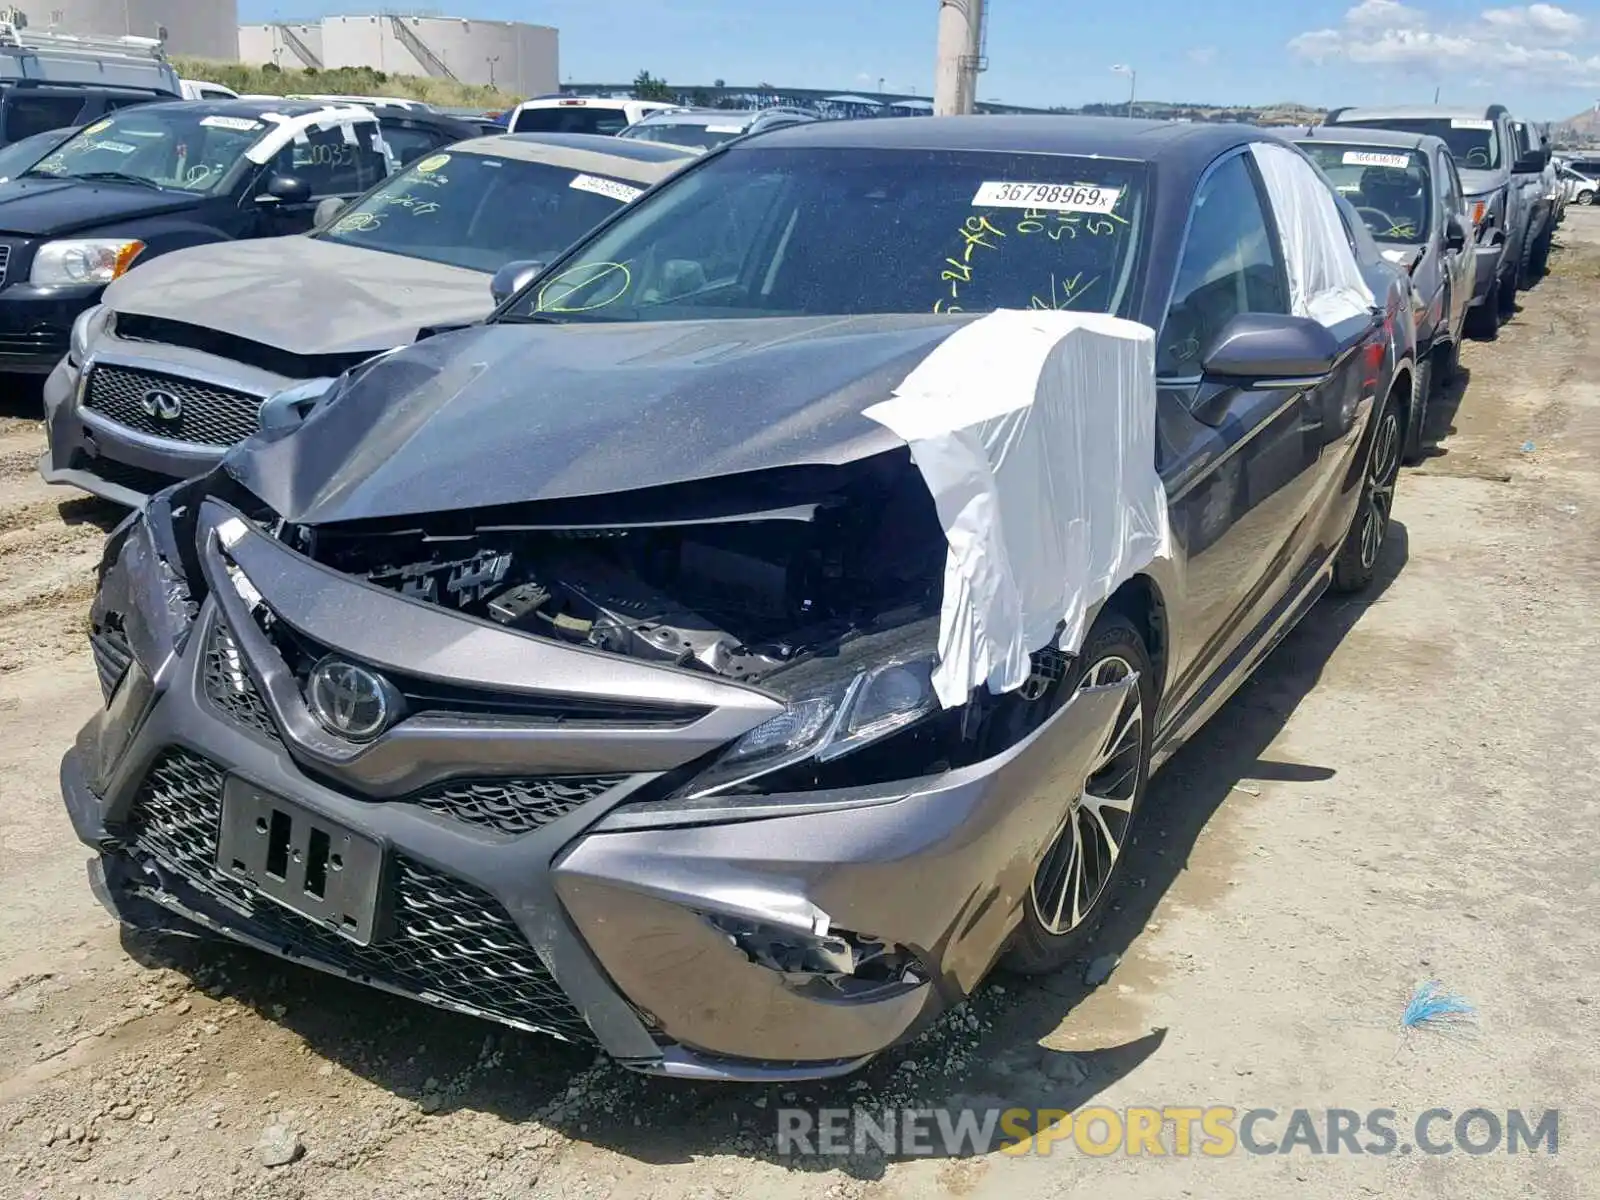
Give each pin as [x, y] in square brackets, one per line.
[310, 865]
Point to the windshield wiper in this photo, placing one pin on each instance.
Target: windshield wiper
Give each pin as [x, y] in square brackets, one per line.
[113, 177]
[530, 319]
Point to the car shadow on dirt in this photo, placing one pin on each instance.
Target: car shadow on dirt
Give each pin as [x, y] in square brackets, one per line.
[986, 1056]
[1440, 419]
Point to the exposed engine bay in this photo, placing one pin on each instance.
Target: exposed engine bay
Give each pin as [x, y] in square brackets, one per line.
[739, 597]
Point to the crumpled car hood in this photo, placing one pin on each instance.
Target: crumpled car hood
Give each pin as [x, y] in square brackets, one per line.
[505, 414]
[303, 294]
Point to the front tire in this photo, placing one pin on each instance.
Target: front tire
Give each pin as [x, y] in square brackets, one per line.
[1075, 879]
[1357, 562]
[1417, 420]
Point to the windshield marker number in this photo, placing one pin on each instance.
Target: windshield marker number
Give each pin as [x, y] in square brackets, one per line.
[1049, 197]
[1371, 158]
[606, 187]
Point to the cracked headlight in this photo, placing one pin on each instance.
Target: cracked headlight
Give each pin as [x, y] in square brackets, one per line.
[828, 723]
[83, 260]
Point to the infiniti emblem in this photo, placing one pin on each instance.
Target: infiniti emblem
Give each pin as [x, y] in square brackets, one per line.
[351, 701]
[163, 406]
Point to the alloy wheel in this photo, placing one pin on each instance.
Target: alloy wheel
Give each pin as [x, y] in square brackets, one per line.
[1073, 876]
[1378, 497]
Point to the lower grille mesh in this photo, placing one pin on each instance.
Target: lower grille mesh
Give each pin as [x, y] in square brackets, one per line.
[228, 684]
[450, 942]
[513, 805]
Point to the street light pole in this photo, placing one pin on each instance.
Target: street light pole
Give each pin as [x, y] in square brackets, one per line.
[1133, 82]
[491, 62]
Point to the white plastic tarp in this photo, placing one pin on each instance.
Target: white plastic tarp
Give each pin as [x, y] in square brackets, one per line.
[1035, 432]
[1325, 281]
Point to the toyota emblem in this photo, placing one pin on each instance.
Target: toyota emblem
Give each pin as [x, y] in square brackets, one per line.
[351, 701]
[163, 406]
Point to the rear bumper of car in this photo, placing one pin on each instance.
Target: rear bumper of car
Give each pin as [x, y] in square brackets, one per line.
[1487, 261]
[621, 915]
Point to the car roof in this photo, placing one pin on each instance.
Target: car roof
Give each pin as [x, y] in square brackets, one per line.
[604, 143]
[1409, 112]
[594, 101]
[1361, 135]
[241, 107]
[700, 116]
[590, 152]
[1109, 137]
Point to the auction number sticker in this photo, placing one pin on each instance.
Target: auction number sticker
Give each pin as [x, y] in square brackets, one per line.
[1467, 123]
[239, 124]
[1052, 197]
[724, 128]
[606, 187]
[429, 165]
[1371, 158]
[116, 147]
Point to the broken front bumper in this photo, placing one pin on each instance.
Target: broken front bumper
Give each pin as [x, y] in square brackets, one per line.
[582, 904]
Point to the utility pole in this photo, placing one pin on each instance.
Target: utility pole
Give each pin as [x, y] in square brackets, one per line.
[961, 58]
[1133, 82]
[491, 62]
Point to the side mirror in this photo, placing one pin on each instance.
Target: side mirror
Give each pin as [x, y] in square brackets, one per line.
[1267, 350]
[1531, 163]
[328, 210]
[1455, 232]
[284, 189]
[512, 278]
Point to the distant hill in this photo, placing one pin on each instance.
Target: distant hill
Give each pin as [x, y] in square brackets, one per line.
[1581, 130]
[1287, 113]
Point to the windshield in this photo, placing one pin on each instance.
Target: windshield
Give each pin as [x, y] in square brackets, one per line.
[188, 149]
[684, 134]
[1472, 142]
[578, 118]
[19, 156]
[1387, 186]
[480, 211]
[766, 232]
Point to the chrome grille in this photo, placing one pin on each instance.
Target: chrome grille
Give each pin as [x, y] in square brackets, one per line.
[5, 262]
[210, 416]
[450, 943]
[228, 684]
[513, 805]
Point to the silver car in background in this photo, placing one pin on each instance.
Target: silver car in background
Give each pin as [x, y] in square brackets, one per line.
[1406, 189]
[201, 348]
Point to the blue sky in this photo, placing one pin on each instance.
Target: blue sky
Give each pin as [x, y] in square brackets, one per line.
[1541, 59]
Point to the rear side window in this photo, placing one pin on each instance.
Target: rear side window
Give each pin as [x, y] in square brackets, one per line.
[1231, 264]
[28, 112]
[409, 143]
[333, 165]
[574, 119]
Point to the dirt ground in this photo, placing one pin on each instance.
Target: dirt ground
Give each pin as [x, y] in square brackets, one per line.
[1406, 791]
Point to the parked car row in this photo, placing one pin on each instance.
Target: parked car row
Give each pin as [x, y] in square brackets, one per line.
[717, 599]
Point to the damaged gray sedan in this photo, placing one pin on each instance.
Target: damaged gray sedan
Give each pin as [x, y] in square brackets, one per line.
[738, 645]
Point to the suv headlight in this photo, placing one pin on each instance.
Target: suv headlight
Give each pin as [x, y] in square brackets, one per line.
[824, 724]
[83, 260]
[86, 330]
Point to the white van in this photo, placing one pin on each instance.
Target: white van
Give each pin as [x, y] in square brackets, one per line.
[580, 114]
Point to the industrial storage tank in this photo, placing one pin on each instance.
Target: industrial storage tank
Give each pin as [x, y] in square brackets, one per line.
[203, 28]
[513, 56]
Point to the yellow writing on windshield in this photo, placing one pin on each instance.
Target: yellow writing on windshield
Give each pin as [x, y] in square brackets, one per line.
[606, 282]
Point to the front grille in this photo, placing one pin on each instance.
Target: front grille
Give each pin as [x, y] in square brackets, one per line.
[230, 688]
[209, 416]
[36, 343]
[513, 806]
[450, 943]
[509, 806]
[112, 657]
[5, 262]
